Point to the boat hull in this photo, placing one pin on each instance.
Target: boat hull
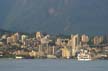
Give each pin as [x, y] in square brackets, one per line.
[84, 59]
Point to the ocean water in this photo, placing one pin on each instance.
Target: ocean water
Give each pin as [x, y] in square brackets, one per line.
[52, 65]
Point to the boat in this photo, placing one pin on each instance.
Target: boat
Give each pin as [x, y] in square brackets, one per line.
[1, 55]
[51, 57]
[84, 55]
[19, 57]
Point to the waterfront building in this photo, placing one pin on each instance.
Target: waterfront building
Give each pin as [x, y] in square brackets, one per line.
[58, 41]
[4, 36]
[9, 40]
[61, 42]
[23, 38]
[45, 40]
[84, 38]
[17, 35]
[74, 44]
[33, 53]
[1, 44]
[38, 35]
[65, 53]
[15, 38]
[97, 40]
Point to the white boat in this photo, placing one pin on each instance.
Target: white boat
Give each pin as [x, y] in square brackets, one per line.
[51, 56]
[84, 56]
[19, 57]
[1, 55]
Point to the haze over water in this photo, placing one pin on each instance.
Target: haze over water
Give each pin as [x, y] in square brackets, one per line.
[52, 65]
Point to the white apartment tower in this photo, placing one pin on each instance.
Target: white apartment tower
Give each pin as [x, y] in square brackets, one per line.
[74, 43]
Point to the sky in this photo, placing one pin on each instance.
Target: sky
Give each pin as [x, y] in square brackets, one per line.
[55, 16]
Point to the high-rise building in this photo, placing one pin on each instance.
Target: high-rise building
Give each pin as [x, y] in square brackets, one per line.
[9, 40]
[58, 42]
[17, 36]
[84, 38]
[38, 35]
[23, 38]
[97, 40]
[65, 53]
[74, 44]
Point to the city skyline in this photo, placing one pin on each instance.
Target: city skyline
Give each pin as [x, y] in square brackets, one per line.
[39, 45]
[53, 35]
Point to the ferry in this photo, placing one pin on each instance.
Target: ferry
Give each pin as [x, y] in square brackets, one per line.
[84, 55]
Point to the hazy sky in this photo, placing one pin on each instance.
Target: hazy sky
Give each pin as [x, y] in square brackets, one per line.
[67, 16]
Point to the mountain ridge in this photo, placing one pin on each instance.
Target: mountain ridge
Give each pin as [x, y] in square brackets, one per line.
[54, 16]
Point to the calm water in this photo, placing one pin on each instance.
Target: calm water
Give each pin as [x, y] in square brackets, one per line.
[52, 65]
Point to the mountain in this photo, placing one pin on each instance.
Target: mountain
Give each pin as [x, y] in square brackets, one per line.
[4, 31]
[55, 16]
